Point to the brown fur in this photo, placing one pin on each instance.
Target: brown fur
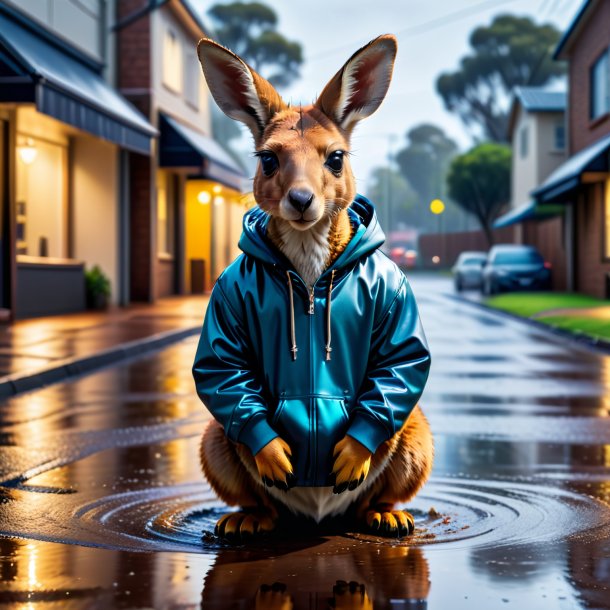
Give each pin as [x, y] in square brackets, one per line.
[303, 139]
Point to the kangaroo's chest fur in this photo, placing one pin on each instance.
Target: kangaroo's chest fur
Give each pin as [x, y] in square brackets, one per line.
[312, 251]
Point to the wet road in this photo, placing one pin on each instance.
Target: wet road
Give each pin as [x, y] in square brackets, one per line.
[103, 505]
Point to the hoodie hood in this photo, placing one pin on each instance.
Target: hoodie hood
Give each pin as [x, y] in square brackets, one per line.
[367, 237]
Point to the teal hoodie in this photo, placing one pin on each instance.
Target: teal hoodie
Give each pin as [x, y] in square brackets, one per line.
[348, 356]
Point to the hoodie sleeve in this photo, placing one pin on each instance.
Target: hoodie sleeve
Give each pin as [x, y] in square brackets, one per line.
[225, 379]
[398, 368]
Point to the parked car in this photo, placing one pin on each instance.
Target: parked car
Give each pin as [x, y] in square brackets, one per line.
[512, 267]
[404, 257]
[468, 270]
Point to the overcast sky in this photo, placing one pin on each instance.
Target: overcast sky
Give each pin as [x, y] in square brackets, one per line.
[432, 37]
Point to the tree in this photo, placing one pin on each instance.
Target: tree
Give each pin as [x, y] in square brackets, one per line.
[479, 182]
[249, 29]
[391, 194]
[513, 51]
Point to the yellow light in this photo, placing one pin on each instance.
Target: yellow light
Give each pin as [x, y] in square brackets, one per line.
[437, 206]
[219, 200]
[28, 152]
[204, 197]
[436, 260]
[217, 188]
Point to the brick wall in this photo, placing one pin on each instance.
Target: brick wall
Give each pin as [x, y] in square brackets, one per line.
[591, 269]
[134, 82]
[587, 47]
[548, 237]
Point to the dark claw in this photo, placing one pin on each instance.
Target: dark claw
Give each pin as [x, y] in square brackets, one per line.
[279, 586]
[339, 489]
[280, 485]
[265, 588]
[361, 479]
[352, 485]
[291, 480]
[268, 482]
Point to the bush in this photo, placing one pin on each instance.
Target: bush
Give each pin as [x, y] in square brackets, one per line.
[97, 287]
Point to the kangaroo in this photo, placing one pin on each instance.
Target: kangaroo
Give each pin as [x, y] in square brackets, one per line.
[312, 357]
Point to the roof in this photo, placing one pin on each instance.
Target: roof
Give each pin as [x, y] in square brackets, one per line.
[182, 146]
[541, 99]
[585, 11]
[566, 177]
[61, 86]
[535, 99]
[527, 211]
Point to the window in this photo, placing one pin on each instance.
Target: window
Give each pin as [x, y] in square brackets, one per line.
[607, 222]
[192, 78]
[523, 142]
[172, 61]
[600, 86]
[165, 214]
[560, 136]
[41, 198]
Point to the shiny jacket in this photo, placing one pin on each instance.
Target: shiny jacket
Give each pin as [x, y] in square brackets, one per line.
[348, 356]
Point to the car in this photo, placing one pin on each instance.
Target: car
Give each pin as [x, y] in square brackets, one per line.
[468, 270]
[513, 267]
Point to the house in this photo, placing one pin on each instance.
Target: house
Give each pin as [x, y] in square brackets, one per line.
[582, 183]
[186, 198]
[65, 137]
[537, 134]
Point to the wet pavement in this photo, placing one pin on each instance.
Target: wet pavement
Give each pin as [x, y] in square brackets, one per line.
[103, 505]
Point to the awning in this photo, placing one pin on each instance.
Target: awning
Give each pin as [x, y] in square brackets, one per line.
[567, 177]
[527, 211]
[36, 68]
[183, 147]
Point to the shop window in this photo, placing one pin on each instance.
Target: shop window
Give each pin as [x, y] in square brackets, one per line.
[600, 86]
[523, 142]
[41, 198]
[192, 80]
[165, 215]
[172, 61]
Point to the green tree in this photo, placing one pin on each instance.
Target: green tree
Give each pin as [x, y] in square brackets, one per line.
[513, 51]
[479, 182]
[249, 29]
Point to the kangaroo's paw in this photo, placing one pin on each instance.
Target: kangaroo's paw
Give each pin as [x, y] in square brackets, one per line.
[384, 521]
[273, 597]
[350, 596]
[244, 524]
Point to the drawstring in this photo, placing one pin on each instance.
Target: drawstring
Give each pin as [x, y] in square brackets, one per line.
[294, 349]
[328, 348]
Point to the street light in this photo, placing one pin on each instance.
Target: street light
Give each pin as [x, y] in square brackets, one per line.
[437, 207]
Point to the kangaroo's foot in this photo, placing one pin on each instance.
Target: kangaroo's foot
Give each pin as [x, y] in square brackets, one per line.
[383, 520]
[245, 524]
[350, 596]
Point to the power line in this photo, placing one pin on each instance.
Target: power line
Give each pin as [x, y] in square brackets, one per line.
[425, 27]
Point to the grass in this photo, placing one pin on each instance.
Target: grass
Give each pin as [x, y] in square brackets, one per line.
[527, 304]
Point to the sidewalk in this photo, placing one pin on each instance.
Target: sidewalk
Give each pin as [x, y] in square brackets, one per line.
[39, 351]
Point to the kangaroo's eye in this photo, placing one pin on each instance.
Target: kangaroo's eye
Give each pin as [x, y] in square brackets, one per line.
[335, 162]
[269, 162]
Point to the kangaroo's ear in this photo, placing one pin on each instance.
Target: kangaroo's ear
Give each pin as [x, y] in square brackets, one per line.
[358, 89]
[239, 91]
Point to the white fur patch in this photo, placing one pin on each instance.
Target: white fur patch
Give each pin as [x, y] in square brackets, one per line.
[315, 502]
[307, 250]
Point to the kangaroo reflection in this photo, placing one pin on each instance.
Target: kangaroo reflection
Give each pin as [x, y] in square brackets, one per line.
[331, 573]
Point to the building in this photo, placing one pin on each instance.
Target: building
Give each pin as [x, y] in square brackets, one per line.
[66, 136]
[582, 182]
[186, 199]
[537, 134]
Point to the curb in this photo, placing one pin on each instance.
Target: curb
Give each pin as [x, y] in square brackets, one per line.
[61, 370]
[597, 345]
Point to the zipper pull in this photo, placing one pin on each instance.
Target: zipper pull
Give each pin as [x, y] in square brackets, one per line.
[311, 302]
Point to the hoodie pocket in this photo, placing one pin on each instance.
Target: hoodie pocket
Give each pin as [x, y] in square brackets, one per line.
[312, 426]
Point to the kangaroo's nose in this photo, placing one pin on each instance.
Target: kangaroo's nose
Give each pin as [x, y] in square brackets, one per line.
[300, 199]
